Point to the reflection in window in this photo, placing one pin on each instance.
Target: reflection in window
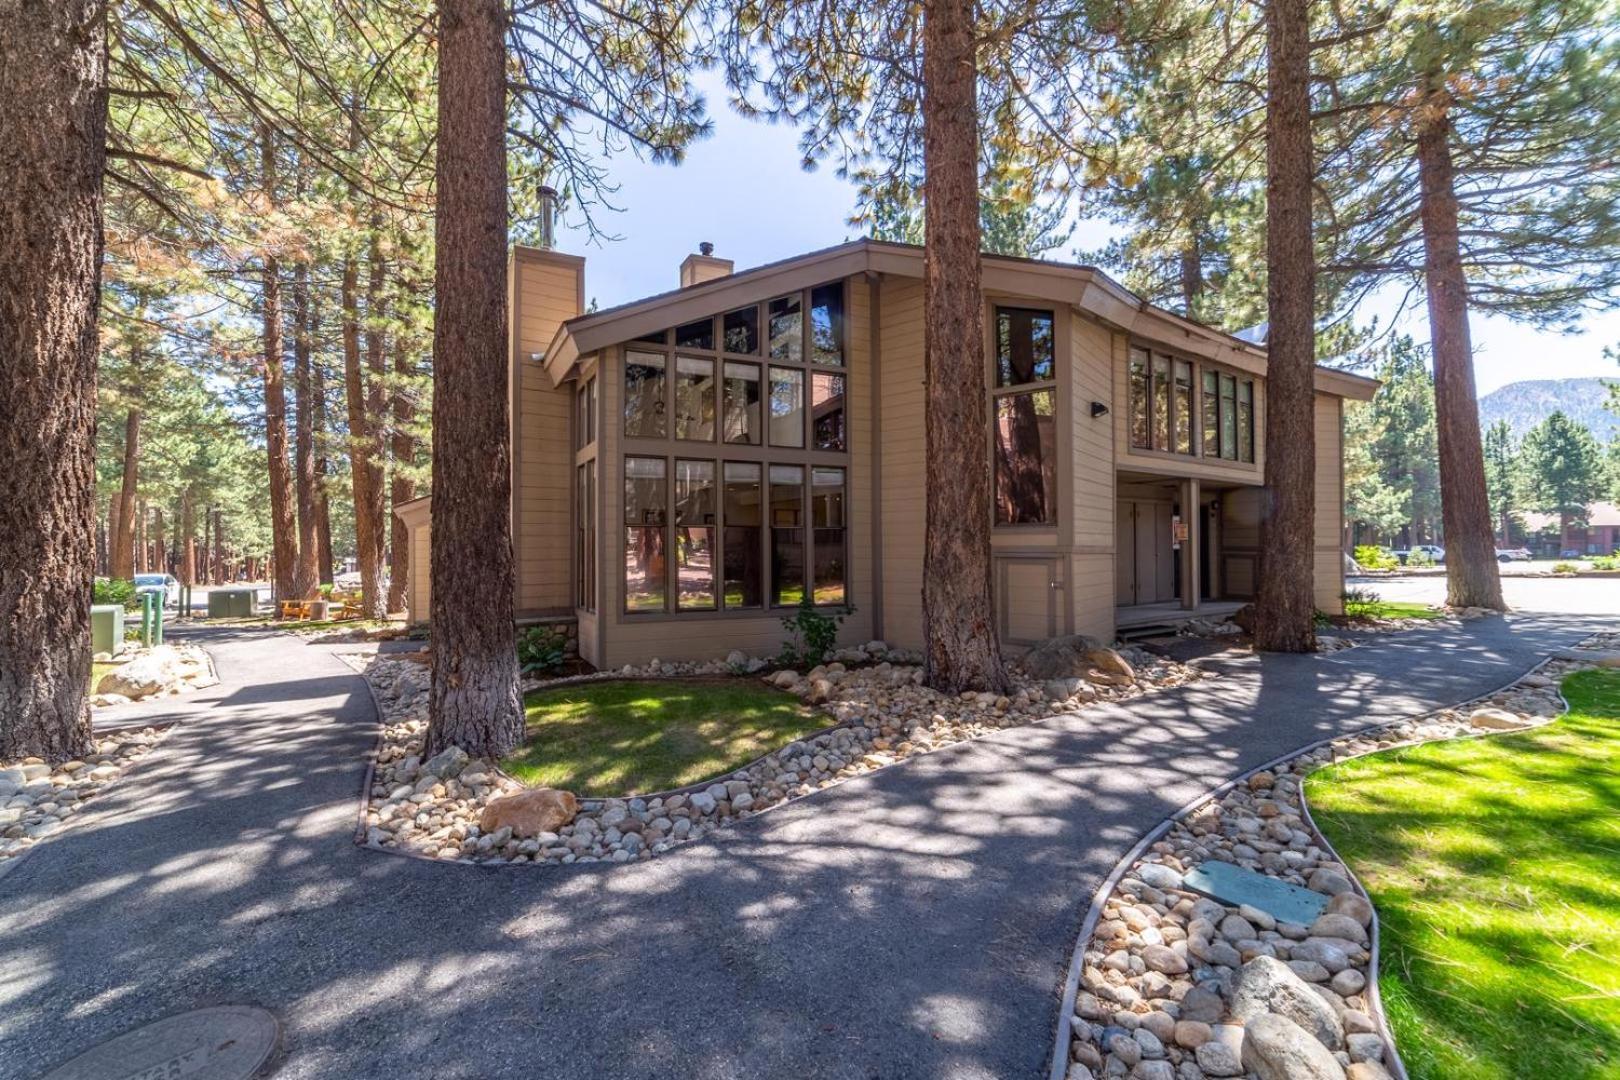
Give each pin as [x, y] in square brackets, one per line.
[644, 412]
[657, 337]
[1024, 348]
[694, 398]
[787, 535]
[1183, 407]
[743, 521]
[787, 329]
[1212, 416]
[742, 331]
[1161, 402]
[1229, 417]
[787, 407]
[694, 535]
[1245, 420]
[742, 423]
[695, 335]
[645, 502]
[827, 411]
[827, 523]
[1140, 429]
[585, 536]
[827, 324]
[1026, 458]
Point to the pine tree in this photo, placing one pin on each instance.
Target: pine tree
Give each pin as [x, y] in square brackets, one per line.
[1563, 471]
[1501, 476]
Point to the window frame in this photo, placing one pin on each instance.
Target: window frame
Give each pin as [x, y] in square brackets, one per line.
[995, 392]
[1200, 431]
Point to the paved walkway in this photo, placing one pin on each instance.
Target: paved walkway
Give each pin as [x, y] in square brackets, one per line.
[912, 923]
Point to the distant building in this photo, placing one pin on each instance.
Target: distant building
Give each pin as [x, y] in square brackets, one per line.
[1599, 536]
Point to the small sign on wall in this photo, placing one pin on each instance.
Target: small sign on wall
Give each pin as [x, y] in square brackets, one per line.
[1178, 532]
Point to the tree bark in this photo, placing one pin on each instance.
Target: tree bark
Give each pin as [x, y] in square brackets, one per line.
[283, 529]
[401, 490]
[1472, 576]
[122, 544]
[363, 481]
[306, 572]
[373, 598]
[474, 700]
[188, 541]
[53, 111]
[959, 626]
[160, 551]
[1192, 279]
[323, 501]
[1284, 601]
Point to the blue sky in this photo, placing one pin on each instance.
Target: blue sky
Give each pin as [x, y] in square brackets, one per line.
[743, 190]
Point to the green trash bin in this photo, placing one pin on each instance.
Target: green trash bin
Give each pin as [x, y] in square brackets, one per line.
[107, 628]
[231, 603]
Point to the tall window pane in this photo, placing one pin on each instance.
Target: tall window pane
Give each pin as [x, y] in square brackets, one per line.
[644, 408]
[744, 518]
[787, 329]
[1229, 417]
[827, 521]
[1212, 416]
[646, 498]
[1161, 402]
[694, 398]
[742, 422]
[787, 535]
[695, 335]
[1026, 458]
[827, 411]
[694, 535]
[589, 519]
[827, 324]
[1024, 350]
[742, 330]
[1183, 407]
[1140, 396]
[1245, 403]
[787, 407]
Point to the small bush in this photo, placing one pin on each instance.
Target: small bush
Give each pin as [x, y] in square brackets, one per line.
[115, 591]
[1566, 568]
[1606, 562]
[1360, 602]
[1419, 558]
[542, 650]
[1373, 557]
[811, 635]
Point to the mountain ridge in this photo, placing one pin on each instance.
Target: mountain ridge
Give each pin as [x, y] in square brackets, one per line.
[1526, 403]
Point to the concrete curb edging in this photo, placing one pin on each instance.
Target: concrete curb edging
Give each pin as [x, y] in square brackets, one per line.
[1071, 986]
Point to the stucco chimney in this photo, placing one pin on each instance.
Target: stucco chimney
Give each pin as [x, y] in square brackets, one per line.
[696, 269]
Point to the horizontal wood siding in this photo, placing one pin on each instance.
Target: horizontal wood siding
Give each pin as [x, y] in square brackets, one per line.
[904, 508]
[1091, 366]
[417, 594]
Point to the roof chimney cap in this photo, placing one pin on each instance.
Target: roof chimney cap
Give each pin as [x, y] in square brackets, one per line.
[706, 266]
[705, 248]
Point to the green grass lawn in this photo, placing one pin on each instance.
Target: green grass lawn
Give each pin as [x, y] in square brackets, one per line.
[1495, 865]
[614, 738]
[1389, 609]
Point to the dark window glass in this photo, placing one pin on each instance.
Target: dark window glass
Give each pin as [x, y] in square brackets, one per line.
[787, 535]
[590, 410]
[1245, 405]
[742, 423]
[1212, 416]
[742, 331]
[827, 411]
[1161, 402]
[657, 337]
[646, 500]
[695, 526]
[695, 335]
[743, 524]
[645, 413]
[1140, 409]
[1229, 417]
[827, 324]
[787, 329]
[694, 398]
[581, 435]
[827, 523]
[1026, 458]
[1024, 347]
[1184, 407]
[787, 407]
[585, 536]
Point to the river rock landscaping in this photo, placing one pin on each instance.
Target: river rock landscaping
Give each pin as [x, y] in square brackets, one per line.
[878, 713]
[1175, 985]
[36, 800]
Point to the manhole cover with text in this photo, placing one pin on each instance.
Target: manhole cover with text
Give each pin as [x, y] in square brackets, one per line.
[228, 1042]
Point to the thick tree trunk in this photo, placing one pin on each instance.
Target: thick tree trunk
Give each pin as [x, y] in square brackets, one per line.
[1192, 279]
[400, 489]
[1472, 577]
[283, 528]
[53, 112]
[141, 562]
[188, 541]
[474, 700]
[219, 548]
[959, 626]
[362, 473]
[160, 551]
[306, 573]
[373, 598]
[1284, 601]
[122, 555]
[323, 501]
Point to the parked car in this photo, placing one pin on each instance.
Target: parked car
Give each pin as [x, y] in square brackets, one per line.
[1504, 555]
[1433, 552]
[165, 585]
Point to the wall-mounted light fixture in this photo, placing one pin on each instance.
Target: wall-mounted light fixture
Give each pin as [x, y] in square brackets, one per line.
[1098, 409]
[537, 358]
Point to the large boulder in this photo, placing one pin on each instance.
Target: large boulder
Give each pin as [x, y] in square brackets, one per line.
[149, 673]
[530, 813]
[1276, 1048]
[1266, 985]
[1064, 657]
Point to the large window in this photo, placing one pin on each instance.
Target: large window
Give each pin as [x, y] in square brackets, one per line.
[1178, 407]
[645, 394]
[694, 398]
[695, 524]
[585, 536]
[787, 535]
[827, 513]
[1181, 408]
[787, 407]
[827, 410]
[1024, 404]
[646, 498]
[741, 404]
[585, 414]
[743, 540]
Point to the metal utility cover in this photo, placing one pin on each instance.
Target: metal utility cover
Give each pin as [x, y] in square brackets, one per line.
[1234, 885]
[228, 1042]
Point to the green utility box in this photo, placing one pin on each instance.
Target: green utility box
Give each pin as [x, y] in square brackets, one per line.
[231, 603]
[107, 628]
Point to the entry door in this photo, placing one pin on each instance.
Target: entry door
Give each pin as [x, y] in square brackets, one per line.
[1144, 563]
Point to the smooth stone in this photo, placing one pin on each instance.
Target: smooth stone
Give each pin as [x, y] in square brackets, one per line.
[1268, 986]
[1276, 1048]
[1365, 1047]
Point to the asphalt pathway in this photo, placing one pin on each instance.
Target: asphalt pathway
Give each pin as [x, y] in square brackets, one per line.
[911, 923]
